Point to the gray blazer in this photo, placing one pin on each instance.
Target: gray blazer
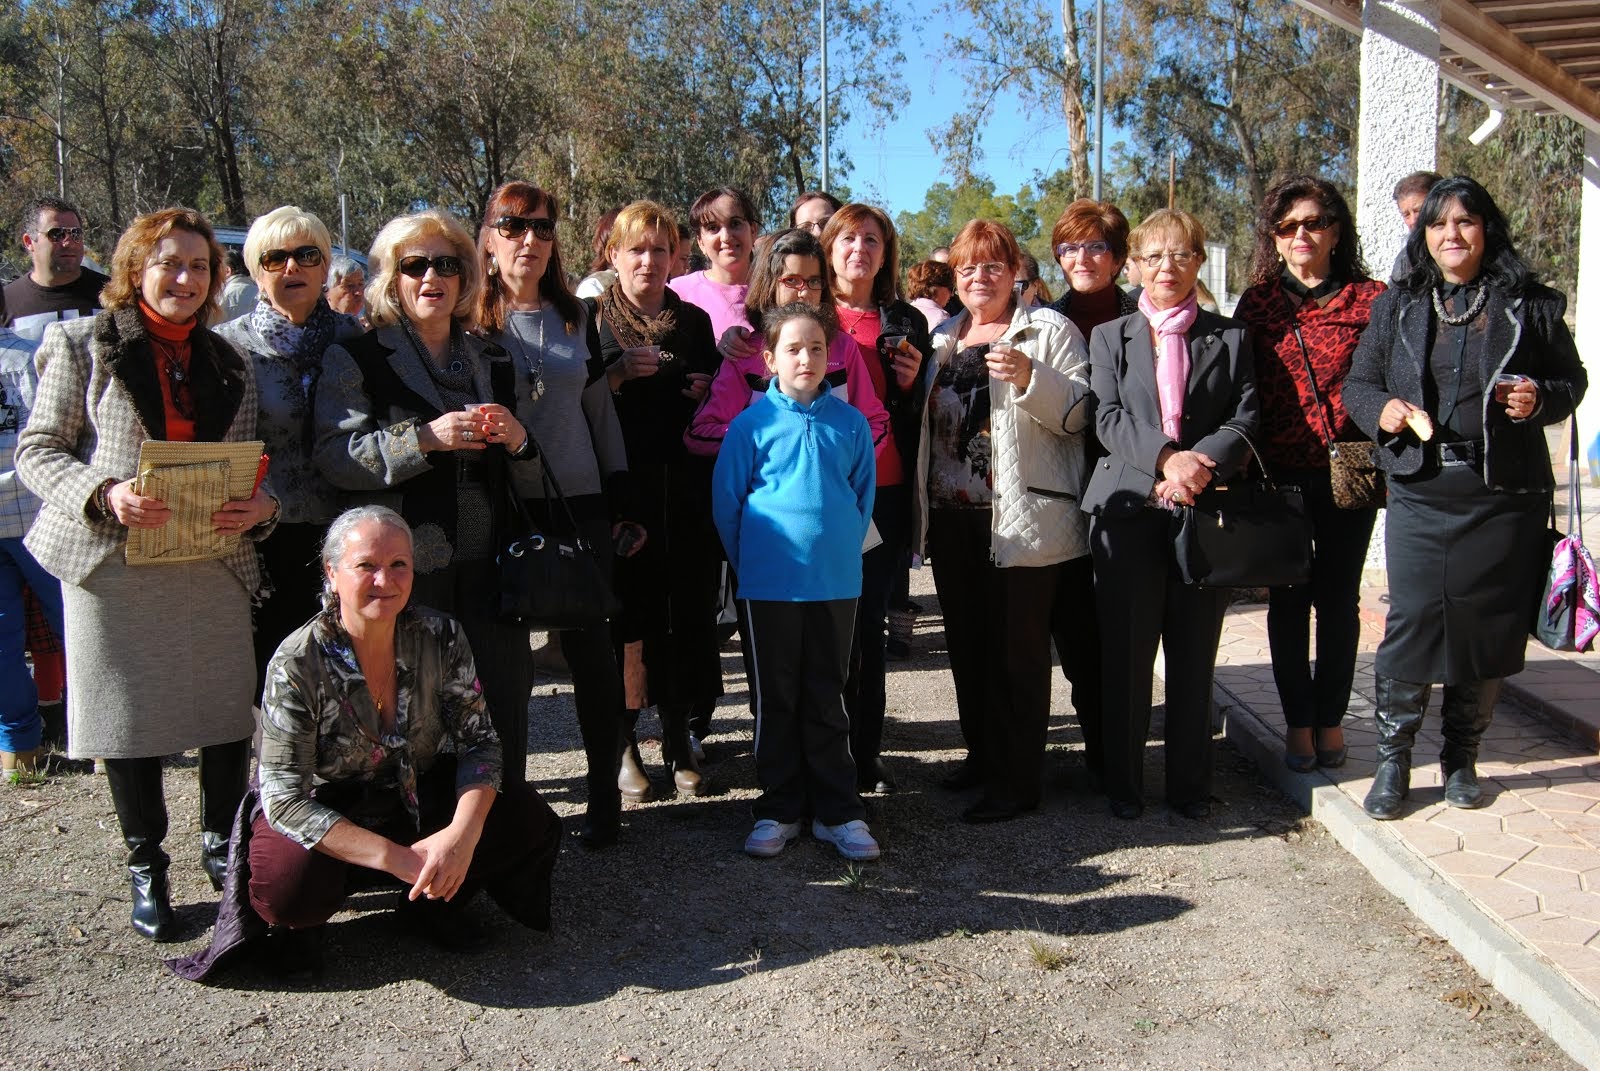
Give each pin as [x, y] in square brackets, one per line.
[1526, 336]
[1127, 408]
[98, 401]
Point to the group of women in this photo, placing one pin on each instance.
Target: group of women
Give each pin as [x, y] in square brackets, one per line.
[1037, 456]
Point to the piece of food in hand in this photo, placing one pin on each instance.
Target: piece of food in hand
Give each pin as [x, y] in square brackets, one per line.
[1420, 423]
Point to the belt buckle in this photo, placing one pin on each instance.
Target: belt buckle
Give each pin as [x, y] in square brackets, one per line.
[1456, 453]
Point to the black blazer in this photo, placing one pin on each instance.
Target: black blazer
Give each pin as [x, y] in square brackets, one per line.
[1526, 336]
[1126, 407]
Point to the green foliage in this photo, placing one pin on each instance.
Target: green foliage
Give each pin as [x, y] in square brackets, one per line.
[1533, 167]
[947, 208]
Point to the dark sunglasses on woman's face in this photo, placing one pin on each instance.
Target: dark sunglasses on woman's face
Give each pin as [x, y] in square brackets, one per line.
[443, 267]
[1287, 228]
[307, 256]
[517, 226]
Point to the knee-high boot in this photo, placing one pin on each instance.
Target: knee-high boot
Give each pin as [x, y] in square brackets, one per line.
[1468, 708]
[632, 781]
[601, 730]
[1400, 707]
[676, 751]
[224, 770]
[136, 794]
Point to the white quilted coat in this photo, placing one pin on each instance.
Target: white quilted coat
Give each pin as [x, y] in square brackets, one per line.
[1039, 463]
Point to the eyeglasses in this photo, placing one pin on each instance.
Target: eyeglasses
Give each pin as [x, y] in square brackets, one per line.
[1088, 249]
[814, 226]
[275, 260]
[64, 234]
[517, 226]
[988, 267]
[1180, 258]
[446, 267]
[1287, 228]
[178, 384]
[801, 283]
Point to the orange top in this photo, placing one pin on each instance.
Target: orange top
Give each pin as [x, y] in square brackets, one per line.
[169, 347]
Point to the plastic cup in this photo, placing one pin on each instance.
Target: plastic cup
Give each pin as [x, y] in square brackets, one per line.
[1503, 386]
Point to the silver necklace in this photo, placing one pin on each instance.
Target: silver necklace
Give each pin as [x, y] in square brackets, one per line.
[535, 367]
[1473, 309]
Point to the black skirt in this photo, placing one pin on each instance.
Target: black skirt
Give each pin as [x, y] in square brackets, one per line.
[1465, 567]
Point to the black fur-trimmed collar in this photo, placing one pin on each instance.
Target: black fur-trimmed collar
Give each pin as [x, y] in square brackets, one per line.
[217, 375]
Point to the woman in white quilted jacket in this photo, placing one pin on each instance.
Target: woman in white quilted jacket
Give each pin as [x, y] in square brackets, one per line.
[999, 468]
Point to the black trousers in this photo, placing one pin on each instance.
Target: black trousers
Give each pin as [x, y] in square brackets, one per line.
[501, 653]
[1143, 601]
[801, 651]
[998, 630]
[865, 690]
[292, 557]
[596, 678]
[1075, 626]
[1339, 551]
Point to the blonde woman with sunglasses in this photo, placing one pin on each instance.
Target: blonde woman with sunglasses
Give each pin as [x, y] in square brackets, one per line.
[419, 415]
[285, 336]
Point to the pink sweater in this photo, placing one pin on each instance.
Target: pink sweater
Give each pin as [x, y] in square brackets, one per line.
[739, 382]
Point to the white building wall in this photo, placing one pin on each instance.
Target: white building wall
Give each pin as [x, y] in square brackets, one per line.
[1397, 134]
[1588, 303]
[1399, 120]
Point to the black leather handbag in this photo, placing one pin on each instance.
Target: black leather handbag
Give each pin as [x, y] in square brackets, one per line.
[1250, 533]
[550, 582]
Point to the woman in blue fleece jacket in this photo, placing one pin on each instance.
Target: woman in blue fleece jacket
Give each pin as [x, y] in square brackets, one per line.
[792, 499]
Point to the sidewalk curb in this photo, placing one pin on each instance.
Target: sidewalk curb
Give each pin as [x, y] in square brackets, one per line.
[1537, 987]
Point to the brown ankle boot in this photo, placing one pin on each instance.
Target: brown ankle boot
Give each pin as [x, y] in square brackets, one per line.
[677, 752]
[632, 781]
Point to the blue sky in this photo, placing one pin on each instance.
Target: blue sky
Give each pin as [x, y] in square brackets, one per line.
[895, 166]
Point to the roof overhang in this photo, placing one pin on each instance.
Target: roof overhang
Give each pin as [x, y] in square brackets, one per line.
[1534, 55]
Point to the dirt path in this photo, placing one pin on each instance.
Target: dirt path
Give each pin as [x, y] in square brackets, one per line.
[1067, 939]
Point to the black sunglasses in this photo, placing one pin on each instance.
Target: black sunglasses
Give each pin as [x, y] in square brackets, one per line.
[275, 260]
[1286, 228]
[444, 267]
[60, 234]
[517, 226]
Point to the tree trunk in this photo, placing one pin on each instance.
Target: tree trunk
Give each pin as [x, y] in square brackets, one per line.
[1072, 101]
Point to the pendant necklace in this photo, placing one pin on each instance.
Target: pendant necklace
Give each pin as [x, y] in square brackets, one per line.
[535, 367]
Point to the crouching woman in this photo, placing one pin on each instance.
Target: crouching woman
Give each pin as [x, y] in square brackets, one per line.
[379, 764]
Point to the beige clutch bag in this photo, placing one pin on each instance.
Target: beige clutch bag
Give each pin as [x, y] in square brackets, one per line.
[194, 480]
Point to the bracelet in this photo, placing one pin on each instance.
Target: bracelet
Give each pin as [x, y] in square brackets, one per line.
[523, 451]
[101, 500]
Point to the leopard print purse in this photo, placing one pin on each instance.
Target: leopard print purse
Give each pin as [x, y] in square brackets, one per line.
[1352, 474]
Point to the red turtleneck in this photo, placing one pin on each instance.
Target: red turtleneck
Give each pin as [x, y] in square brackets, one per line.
[169, 347]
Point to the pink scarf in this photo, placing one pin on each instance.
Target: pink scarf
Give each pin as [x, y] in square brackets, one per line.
[1172, 357]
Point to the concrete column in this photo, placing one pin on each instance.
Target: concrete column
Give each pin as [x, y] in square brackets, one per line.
[1399, 119]
[1587, 306]
[1398, 134]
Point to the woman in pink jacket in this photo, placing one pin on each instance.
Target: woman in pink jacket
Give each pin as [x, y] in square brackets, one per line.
[789, 267]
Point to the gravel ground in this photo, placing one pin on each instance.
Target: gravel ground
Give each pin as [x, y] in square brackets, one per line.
[1067, 939]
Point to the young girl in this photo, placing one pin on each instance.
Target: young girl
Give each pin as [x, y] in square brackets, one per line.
[789, 267]
[792, 500]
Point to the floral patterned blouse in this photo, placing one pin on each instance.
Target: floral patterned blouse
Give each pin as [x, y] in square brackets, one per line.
[321, 729]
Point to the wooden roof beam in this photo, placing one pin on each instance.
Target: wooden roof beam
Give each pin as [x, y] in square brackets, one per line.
[1475, 36]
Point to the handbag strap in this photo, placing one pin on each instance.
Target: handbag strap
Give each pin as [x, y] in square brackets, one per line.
[1311, 377]
[1574, 486]
[552, 489]
[1266, 474]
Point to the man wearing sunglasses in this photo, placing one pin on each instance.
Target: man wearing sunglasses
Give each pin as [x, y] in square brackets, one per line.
[59, 287]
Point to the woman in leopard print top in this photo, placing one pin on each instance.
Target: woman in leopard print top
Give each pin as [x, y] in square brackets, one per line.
[1309, 302]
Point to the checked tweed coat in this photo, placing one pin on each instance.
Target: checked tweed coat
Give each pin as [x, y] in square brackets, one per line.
[98, 401]
[159, 657]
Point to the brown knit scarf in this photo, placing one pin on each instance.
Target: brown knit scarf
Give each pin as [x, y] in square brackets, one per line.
[629, 326]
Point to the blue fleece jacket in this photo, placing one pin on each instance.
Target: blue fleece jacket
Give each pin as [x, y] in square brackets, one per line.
[792, 497]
